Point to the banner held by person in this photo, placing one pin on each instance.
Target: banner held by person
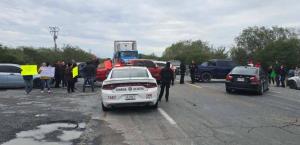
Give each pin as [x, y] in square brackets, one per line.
[27, 70]
[75, 71]
[47, 72]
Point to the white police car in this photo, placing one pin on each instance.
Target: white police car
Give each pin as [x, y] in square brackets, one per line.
[129, 86]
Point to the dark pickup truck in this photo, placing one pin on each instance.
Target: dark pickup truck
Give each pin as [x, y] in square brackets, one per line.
[214, 69]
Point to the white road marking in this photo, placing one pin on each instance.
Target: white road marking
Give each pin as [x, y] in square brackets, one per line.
[164, 114]
[194, 85]
[171, 121]
[275, 92]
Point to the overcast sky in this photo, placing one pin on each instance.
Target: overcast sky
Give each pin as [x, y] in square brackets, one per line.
[154, 24]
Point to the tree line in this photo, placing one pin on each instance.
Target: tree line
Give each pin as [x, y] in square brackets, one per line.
[31, 55]
[260, 44]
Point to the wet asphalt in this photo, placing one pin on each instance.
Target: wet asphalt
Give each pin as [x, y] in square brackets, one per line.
[200, 114]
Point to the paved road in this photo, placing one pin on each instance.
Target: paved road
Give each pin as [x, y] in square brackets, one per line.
[200, 114]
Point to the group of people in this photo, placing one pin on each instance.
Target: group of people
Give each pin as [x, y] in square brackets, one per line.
[277, 74]
[63, 76]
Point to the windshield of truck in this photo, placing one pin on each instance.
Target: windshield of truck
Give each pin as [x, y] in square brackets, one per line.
[128, 54]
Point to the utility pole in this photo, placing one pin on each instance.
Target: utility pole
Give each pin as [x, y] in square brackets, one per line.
[54, 31]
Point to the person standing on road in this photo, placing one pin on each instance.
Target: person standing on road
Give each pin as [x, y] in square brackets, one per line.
[277, 69]
[45, 81]
[193, 69]
[57, 75]
[282, 73]
[69, 78]
[62, 74]
[28, 80]
[167, 77]
[90, 75]
[182, 72]
[271, 74]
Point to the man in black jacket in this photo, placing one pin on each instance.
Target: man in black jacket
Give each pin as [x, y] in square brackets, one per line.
[167, 77]
[193, 69]
[89, 75]
[182, 72]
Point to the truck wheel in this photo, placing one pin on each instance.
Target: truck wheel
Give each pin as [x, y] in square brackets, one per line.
[206, 77]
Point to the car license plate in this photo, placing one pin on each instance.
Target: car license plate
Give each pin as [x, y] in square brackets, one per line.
[240, 79]
[130, 97]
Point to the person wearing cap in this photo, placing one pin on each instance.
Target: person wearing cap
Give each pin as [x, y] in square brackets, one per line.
[167, 78]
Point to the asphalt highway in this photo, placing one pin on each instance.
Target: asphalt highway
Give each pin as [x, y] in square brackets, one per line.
[196, 114]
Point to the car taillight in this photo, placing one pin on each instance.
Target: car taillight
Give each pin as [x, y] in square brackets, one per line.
[254, 80]
[229, 77]
[150, 85]
[108, 87]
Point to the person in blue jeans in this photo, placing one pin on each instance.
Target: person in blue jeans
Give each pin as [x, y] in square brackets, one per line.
[89, 75]
[28, 80]
[45, 81]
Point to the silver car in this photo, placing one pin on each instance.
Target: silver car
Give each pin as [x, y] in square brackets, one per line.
[294, 82]
[10, 76]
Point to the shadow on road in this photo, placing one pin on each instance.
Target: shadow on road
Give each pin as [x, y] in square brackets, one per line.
[132, 109]
[246, 93]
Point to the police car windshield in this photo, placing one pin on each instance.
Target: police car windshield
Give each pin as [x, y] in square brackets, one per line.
[129, 73]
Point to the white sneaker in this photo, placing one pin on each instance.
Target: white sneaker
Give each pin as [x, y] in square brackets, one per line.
[49, 91]
[42, 91]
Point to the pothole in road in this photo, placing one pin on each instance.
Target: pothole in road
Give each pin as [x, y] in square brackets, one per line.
[49, 134]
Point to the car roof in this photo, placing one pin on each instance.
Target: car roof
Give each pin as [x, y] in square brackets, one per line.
[247, 67]
[159, 61]
[129, 67]
[250, 67]
[9, 64]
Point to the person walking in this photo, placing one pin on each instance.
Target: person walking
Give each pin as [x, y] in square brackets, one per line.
[282, 73]
[90, 75]
[69, 78]
[182, 72]
[193, 69]
[167, 78]
[45, 80]
[28, 80]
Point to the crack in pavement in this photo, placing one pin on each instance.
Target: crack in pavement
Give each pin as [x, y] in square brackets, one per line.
[284, 127]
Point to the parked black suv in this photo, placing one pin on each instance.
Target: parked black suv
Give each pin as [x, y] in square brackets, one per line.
[214, 69]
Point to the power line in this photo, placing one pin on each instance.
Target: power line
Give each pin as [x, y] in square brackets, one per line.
[54, 31]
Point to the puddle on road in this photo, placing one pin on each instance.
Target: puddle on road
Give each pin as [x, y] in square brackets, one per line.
[68, 132]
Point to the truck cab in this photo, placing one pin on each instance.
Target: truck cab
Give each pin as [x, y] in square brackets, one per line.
[125, 50]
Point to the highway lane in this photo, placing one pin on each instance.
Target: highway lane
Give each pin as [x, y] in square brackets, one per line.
[198, 114]
[205, 114]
